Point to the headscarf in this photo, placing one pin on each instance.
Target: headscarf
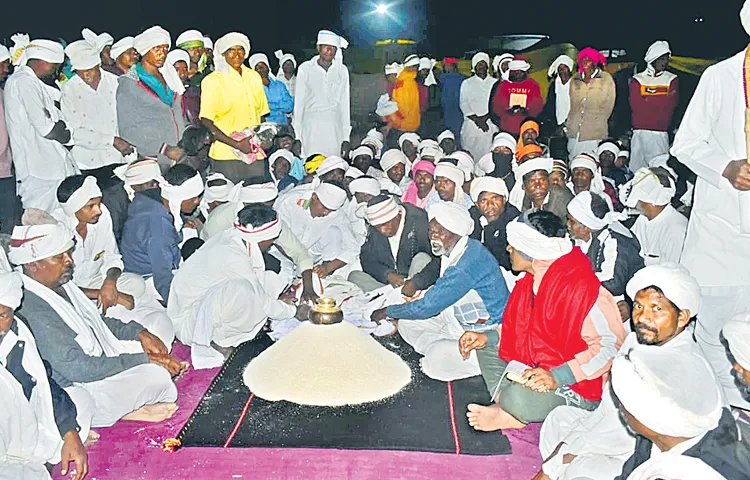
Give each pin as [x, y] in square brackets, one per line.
[561, 60]
[208, 44]
[11, 289]
[354, 173]
[375, 143]
[455, 175]
[446, 134]
[656, 50]
[281, 153]
[667, 391]
[428, 64]
[488, 184]
[4, 53]
[83, 55]
[283, 58]
[375, 134]
[256, 193]
[588, 162]
[671, 465]
[176, 194]
[580, 209]
[646, 187]
[737, 333]
[169, 71]
[190, 39]
[411, 61]
[121, 46]
[78, 199]
[673, 280]
[608, 147]
[25, 49]
[464, 161]
[411, 137]
[393, 68]
[360, 151]
[519, 64]
[595, 56]
[541, 163]
[536, 245]
[504, 139]
[327, 37]
[393, 157]
[215, 193]
[257, 58]
[139, 173]
[226, 42]
[527, 125]
[365, 185]
[313, 162]
[98, 41]
[498, 61]
[452, 217]
[485, 165]
[479, 57]
[151, 38]
[383, 212]
[745, 16]
[253, 235]
[525, 150]
[411, 193]
[331, 196]
[330, 164]
[31, 243]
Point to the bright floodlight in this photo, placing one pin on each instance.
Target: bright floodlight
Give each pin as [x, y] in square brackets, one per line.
[381, 8]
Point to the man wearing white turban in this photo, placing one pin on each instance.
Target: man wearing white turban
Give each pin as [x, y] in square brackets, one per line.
[477, 130]
[449, 186]
[490, 197]
[712, 142]
[193, 42]
[557, 107]
[280, 101]
[659, 228]
[286, 73]
[654, 95]
[102, 43]
[533, 177]
[124, 367]
[516, 98]
[149, 112]
[321, 102]
[124, 55]
[38, 419]
[38, 134]
[559, 334]
[469, 296]
[576, 443]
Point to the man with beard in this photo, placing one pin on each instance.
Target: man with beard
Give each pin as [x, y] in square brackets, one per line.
[38, 134]
[470, 295]
[516, 98]
[533, 175]
[575, 443]
[490, 196]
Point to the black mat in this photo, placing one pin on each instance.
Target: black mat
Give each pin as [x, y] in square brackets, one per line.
[418, 418]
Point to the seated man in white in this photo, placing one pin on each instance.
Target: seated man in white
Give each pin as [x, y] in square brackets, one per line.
[38, 419]
[218, 297]
[98, 264]
[124, 367]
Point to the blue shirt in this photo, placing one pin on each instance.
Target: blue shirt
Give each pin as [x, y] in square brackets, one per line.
[451, 101]
[279, 101]
[150, 244]
[477, 270]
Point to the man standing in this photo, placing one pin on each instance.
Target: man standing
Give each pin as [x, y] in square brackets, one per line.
[124, 55]
[653, 98]
[286, 72]
[450, 98]
[405, 93]
[8, 201]
[37, 131]
[321, 107]
[477, 130]
[192, 42]
[711, 141]
[515, 99]
[280, 102]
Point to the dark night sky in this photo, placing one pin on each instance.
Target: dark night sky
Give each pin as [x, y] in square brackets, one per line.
[447, 26]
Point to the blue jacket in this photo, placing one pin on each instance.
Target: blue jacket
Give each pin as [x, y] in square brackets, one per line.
[451, 101]
[279, 101]
[477, 270]
[150, 244]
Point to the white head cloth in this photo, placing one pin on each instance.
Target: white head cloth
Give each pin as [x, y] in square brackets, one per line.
[452, 217]
[669, 465]
[88, 190]
[455, 175]
[365, 185]
[257, 58]
[331, 196]
[11, 289]
[327, 37]
[427, 142]
[533, 165]
[139, 173]
[169, 71]
[580, 209]
[465, 162]
[525, 239]
[121, 46]
[499, 59]
[393, 157]
[586, 161]
[83, 55]
[671, 393]
[4, 53]
[281, 153]
[646, 187]
[189, 36]
[561, 60]
[383, 212]
[446, 135]
[504, 139]
[411, 61]
[375, 143]
[24, 49]
[150, 38]
[393, 68]
[98, 41]
[488, 184]
[176, 194]
[376, 134]
[431, 152]
[656, 50]
[354, 173]
[178, 55]
[226, 42]
[737, 333]
[257, 193]
[608, 147]
[362, 150]
[479, 57]
[215, 193]
[410, 137]
[283, 58]
[485, 165]
[428, 64]
[253, 235]
[330, 164]
[31, 243]
[518, 65]
[208, 43]
[674, 280]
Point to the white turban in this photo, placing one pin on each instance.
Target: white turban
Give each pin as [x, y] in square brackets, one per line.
[88, 190]
[4, 53]
[533, 165]
[189, 36]
[365, 185]
[375, 143]
[427, 142]
[177, 55]
[411, 137]
[667, 391]
[580, 208]
[451, 172]
[362, 150]
[98, 41]
[737, 333]
[673, 280]
[452, 217]
[208, 43]
[374, 133]
[411, 61]
[669, 465]
[150, 38]
[233, 39]
[391, 158]
[25, 49]
[393, 68]
[283, 58]
[465, 162]
[281, 153]
[536, 245]
[354, 173]
[435, 153]
[561, 60]
[485, 165]
[11, 289]
[446, 135]
[518, 65]
[330, 164]
[138, 173]
[176, 194]
[488, 184]
[83, 55]
[499, 59]
[31, 243]
[169, 71]
[255, 234]
[588, 162]
[656, 50]
[479, 57]
[646, 187]
[257, 193]
[215, 193]
[503, 139]
[428, 64]
[327, 37]
[608, 147]
[383, 212]
[121, 46]
[331, 196]
[257, 58]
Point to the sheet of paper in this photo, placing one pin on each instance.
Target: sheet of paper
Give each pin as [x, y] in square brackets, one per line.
[517, 99]
[513, 371]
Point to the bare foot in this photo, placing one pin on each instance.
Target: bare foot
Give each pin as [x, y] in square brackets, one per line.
[491, 418]
[226, 351]
[152, 413]
[91, 439]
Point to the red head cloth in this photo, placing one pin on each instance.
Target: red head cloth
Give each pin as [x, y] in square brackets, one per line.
[593, 54]
[450, 60]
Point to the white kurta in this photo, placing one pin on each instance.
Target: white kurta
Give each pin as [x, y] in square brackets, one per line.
[663, 237]
[475, 100]
[291, 84]
[30, 114]
[91, 116]
[321, 107]
[711, 135]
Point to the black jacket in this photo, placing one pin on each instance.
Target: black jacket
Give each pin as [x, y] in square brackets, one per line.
[609, 247]
[495, 238]
[377, 260]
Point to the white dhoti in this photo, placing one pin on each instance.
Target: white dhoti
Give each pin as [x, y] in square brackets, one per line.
[39, 193]
[645, 146]
[321, 133]
[118, 395]
[576, 147]
[477, 142]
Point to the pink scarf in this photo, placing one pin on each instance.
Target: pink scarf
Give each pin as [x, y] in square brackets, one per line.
[411, 195]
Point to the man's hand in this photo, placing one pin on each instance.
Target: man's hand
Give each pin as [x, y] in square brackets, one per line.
[303, 311]
[408, 289]
[345, 147]
[395, 279]
[174, 153]
[108, 295]
[74, 451]
[738, 174]
[308, 291]
[174, 366]
[126, 300]
[122, 146]
[539, 380]
[244, 145]
[568, 458]
[151, 343]
[471, 341]
[378, 315]
[321, 270]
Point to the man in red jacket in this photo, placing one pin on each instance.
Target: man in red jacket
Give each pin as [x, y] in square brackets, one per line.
[653, 99]
[515, 99]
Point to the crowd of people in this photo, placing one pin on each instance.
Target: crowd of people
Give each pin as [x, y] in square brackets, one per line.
[182, 191]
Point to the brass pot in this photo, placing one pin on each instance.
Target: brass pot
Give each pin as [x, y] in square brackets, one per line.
[325, 312]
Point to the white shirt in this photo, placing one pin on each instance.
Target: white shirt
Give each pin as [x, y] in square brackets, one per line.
[91, 116]
[395, 241]
[562, 100]
[30, 114]
[291, 84]
[475, 95]
[711, 135]
[663, 237]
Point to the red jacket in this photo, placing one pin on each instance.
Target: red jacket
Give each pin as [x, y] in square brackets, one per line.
[507, 94]
[653, 101]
